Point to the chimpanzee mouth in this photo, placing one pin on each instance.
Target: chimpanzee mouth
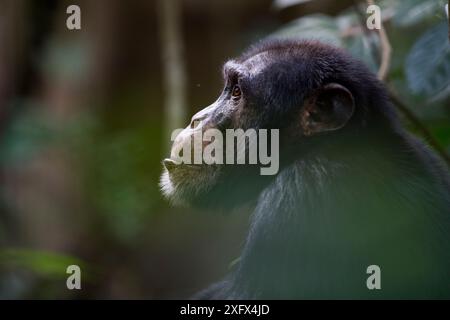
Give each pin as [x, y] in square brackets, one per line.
[171, 164]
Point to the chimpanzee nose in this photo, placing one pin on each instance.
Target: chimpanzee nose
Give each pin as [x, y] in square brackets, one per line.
[199, 117]
[196, 120]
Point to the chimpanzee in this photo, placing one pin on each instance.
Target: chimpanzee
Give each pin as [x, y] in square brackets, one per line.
[354, 189]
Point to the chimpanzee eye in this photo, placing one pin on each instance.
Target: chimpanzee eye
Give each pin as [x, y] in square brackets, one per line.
[236, 93]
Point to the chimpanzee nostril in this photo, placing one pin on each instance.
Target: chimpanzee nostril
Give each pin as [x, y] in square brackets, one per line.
[195, 122]
[200, 116]
[197, 119]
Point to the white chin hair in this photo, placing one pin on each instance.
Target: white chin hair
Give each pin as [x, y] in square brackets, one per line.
[185, 183]
[169, 190]
[166, 185]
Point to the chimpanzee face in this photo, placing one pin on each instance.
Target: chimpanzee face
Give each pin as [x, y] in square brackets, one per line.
[268, 89]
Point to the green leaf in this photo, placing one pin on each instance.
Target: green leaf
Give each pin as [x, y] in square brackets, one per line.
[41, 262]
[282, 4]
[414, 11]
[428, 63]
[330, 30]
[318, 27]
[361, 49]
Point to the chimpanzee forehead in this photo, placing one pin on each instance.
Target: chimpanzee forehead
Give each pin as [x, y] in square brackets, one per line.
[248, 67]
[257, 63]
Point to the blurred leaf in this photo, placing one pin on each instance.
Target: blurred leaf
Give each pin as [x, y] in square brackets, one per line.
[282, 4]
[320, 27]
[428, 63]
[29, 133]
[41, 262]
[32, 131]
[414, 11]
[330, 30]
[68, 59]
[441, 130]
[121, 178]
[361, 49]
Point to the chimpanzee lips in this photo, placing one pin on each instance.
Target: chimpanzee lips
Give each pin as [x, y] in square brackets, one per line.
[171, 164]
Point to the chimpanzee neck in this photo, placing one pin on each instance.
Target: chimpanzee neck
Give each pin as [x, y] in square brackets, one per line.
[328, 205]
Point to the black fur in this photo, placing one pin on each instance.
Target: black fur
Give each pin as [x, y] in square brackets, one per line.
[366, 194]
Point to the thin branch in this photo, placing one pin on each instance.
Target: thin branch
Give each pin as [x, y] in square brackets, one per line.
[171, 39]
[365, 32]
[383, 71]
[385, 48]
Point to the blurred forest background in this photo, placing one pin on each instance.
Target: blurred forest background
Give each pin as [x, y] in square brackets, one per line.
[85, 116]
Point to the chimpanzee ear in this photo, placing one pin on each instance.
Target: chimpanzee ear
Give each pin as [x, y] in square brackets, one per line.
[330, 108]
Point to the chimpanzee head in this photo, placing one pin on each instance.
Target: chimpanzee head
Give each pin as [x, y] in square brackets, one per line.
[307, 90]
